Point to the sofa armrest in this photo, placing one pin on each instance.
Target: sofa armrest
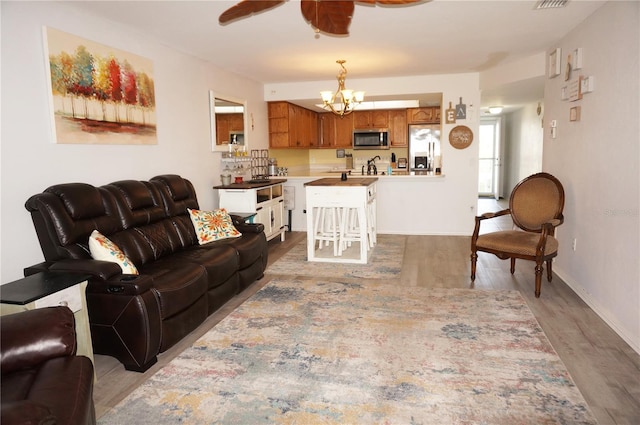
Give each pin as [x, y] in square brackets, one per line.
[102, 269]
[26, 412]
[31, 337]
[126, 284]
[244, 227]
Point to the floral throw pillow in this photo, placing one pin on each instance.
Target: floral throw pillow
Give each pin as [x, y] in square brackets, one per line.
[102, 248]
[212, 225]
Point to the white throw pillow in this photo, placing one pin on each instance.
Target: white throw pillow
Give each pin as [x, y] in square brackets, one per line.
[213, 225]
[102, 248]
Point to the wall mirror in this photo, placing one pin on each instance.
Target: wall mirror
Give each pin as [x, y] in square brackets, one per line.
[228, 123]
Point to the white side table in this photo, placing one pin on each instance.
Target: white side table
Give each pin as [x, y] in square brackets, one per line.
[47, 290]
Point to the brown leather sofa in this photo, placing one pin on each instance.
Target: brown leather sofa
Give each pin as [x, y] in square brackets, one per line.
[43, 381]
[133, 318]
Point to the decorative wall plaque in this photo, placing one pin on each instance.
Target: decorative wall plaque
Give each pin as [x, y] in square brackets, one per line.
[450, 115]
[461, 137]
[461, 111]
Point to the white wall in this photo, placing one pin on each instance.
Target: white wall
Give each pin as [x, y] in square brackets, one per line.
[445, 207]
[597, 160]
[523, 146]
[31, 162]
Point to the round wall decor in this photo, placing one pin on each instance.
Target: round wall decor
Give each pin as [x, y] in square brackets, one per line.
[460, 137]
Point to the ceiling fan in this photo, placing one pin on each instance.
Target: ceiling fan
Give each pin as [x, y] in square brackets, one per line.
[329, 16]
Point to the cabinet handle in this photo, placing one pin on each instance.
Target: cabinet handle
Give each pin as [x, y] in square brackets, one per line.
[273, 218]
[258, 209]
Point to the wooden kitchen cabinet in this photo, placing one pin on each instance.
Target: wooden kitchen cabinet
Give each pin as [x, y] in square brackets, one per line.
[427, 115]
[335, 131]
[292, 126]
[370, 119]
[398, 130]
[226, 123]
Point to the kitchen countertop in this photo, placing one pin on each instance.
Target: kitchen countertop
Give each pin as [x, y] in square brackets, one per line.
[249, 184]
[351, 181]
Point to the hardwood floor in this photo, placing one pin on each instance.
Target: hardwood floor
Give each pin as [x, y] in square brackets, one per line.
[604, 367]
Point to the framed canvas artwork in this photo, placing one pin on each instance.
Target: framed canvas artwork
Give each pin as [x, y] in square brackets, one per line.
[98, 94]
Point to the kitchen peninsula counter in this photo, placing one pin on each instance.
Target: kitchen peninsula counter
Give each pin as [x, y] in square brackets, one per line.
[406, 205]
[351, 181]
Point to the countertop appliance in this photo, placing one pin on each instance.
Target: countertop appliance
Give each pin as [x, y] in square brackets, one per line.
[273, 167]
[377, 138]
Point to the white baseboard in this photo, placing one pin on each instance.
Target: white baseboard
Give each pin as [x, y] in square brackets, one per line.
[602, 312]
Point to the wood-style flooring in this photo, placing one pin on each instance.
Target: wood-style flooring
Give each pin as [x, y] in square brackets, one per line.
[604, 367]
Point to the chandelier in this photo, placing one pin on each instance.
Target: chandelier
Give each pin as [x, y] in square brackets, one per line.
[347, 98]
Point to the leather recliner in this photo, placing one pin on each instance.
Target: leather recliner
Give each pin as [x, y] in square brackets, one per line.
[43, 381]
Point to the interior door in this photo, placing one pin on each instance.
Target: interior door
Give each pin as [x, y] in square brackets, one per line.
[490, 162]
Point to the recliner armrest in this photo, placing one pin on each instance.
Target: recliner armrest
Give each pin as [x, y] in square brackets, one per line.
[244, 227]
[102, 269]
[126, 284]
[29, 338]
[26, 412]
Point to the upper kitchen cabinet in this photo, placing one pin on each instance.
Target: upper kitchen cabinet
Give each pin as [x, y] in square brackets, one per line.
[370, 119]
[227, 124]
[291, 126]
[398, 128]
[335, 131]
[428, 115]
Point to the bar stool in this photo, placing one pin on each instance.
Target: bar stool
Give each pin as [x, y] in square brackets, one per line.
[326, 228]
[350, 231]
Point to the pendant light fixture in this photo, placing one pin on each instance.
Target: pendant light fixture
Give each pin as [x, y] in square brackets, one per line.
[347, 99]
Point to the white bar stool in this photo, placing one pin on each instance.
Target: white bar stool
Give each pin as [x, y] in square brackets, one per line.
[350, 230]
[327, 228]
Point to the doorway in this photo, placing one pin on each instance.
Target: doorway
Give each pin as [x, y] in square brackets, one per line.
[489, 158]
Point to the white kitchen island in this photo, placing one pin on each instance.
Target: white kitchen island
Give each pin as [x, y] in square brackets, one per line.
[357, 195]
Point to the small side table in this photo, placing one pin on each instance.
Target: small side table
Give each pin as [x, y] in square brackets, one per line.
[48, 290]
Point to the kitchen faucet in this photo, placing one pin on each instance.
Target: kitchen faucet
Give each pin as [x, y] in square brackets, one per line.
[371, 165]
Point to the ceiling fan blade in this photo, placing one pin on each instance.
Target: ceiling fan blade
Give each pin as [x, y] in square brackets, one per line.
[330, 16]
[247, 8]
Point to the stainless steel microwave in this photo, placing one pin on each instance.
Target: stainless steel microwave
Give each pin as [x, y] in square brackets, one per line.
[371, 139]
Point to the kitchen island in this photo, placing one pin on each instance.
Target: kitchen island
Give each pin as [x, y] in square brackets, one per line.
[352, 205]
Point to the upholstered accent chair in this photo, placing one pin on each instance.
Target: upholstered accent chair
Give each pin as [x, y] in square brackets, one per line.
[535, 205]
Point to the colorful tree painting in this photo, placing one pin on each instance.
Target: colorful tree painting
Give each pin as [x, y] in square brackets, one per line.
[99, 94]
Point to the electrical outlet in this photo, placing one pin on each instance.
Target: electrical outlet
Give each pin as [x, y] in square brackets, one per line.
[575, 241]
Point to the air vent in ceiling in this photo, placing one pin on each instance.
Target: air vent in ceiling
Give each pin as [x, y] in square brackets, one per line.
[550, 4]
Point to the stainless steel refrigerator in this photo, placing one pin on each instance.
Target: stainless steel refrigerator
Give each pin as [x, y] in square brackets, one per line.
[424, 148]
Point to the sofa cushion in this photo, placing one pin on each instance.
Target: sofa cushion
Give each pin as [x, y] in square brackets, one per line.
[104, 249]
[176, 284]
[221, 261]
[250, 247]
[212, 225]
[177, 193]
[81, 200]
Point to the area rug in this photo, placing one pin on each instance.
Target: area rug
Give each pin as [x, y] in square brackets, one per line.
[385, 262]
[309, 352]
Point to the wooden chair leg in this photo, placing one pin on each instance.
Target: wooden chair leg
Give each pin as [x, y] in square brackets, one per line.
[538, 279]
[513, 265]
[549, 271]
[474, 259]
